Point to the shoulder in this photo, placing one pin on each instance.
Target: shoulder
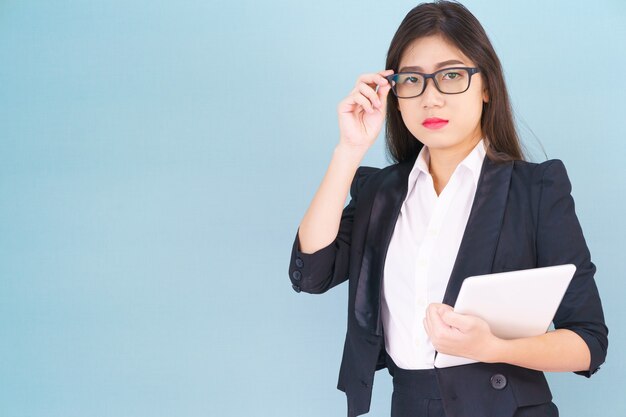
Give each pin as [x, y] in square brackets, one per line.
[374, 173]
[367, 176]
[363, 174]
[547, 190]
[538, 167]
[538, 174]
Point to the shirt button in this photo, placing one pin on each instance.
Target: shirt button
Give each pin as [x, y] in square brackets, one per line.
[422, 263]
[299, 263]
[297, 275]
[433, 232]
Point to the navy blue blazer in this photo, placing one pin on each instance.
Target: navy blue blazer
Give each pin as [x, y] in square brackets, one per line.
[522, 217]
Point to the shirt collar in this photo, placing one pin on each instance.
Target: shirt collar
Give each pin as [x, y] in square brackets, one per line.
[473, 162]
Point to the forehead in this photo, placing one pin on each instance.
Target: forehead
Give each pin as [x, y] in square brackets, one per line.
[428, 51]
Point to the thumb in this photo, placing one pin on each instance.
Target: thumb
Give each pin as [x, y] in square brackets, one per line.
[460, 321]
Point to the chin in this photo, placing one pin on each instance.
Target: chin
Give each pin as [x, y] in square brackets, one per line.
[434, 142]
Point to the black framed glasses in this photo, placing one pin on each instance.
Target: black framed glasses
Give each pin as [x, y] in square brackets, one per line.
[448, 81]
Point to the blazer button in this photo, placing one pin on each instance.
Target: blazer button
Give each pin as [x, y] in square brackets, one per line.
[299, 262]
[296, 275]
[498, 381]
[295, 288]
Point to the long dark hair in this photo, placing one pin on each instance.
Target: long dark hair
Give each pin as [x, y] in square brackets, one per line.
[459, 26]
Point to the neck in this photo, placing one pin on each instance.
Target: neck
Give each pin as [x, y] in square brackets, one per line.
[443, 162]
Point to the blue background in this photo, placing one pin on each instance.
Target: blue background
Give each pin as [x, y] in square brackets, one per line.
[156, 158]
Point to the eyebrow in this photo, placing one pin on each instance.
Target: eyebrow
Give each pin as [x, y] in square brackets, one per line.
[437, 66]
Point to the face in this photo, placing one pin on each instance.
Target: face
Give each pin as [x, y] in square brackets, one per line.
[463, 111]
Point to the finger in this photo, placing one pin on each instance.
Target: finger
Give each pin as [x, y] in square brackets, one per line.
[356, 98]
[347, 105]
[382, 93]
[383, 78]
[435, 318]
[368, 92]
[378, 85]
[437, 308]
[431, 314]
[429, 310]
[372, 79]
[460, 321]
[385, 72]
[442, 308]
[363, 102]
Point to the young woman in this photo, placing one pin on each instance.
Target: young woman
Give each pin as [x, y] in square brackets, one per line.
[459, 201]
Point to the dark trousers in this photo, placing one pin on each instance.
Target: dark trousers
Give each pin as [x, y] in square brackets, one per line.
[416, 394]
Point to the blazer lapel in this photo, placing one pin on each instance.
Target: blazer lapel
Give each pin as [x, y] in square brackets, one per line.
[478, 245]
[476, 252]
[385, 210]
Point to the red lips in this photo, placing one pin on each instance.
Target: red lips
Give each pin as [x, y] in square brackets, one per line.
[434, 123]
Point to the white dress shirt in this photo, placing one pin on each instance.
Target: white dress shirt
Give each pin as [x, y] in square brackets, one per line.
[421, 254]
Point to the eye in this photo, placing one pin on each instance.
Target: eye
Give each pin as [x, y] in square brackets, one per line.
[451, 75]
[411, 80]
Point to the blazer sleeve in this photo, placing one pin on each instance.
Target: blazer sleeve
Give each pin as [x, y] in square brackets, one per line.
[317, 272]
[560, 241]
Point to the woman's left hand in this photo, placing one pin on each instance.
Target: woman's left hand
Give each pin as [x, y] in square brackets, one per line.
[460, 334]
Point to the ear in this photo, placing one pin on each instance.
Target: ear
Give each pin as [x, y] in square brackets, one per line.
[485, 96]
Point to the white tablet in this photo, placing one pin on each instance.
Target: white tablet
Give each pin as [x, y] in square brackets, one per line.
[515, 304]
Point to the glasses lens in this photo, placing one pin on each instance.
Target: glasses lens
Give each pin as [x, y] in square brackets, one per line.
[453, 80]
[408, 85]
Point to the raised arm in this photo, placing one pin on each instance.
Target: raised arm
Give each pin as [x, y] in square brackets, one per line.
[327, 266]
[320, 252]
[321, 221]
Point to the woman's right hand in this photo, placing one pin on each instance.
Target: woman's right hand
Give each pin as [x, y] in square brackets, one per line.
[362, 112]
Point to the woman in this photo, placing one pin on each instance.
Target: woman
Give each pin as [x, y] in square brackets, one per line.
[459, 201]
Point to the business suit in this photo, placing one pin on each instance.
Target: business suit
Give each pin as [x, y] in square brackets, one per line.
[522, 217]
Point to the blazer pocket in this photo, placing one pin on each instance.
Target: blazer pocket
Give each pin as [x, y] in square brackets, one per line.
[548, 409]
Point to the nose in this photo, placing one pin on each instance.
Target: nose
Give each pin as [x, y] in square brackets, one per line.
[431, 96]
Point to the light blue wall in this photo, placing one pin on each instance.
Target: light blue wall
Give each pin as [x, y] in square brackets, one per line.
[156, 158]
